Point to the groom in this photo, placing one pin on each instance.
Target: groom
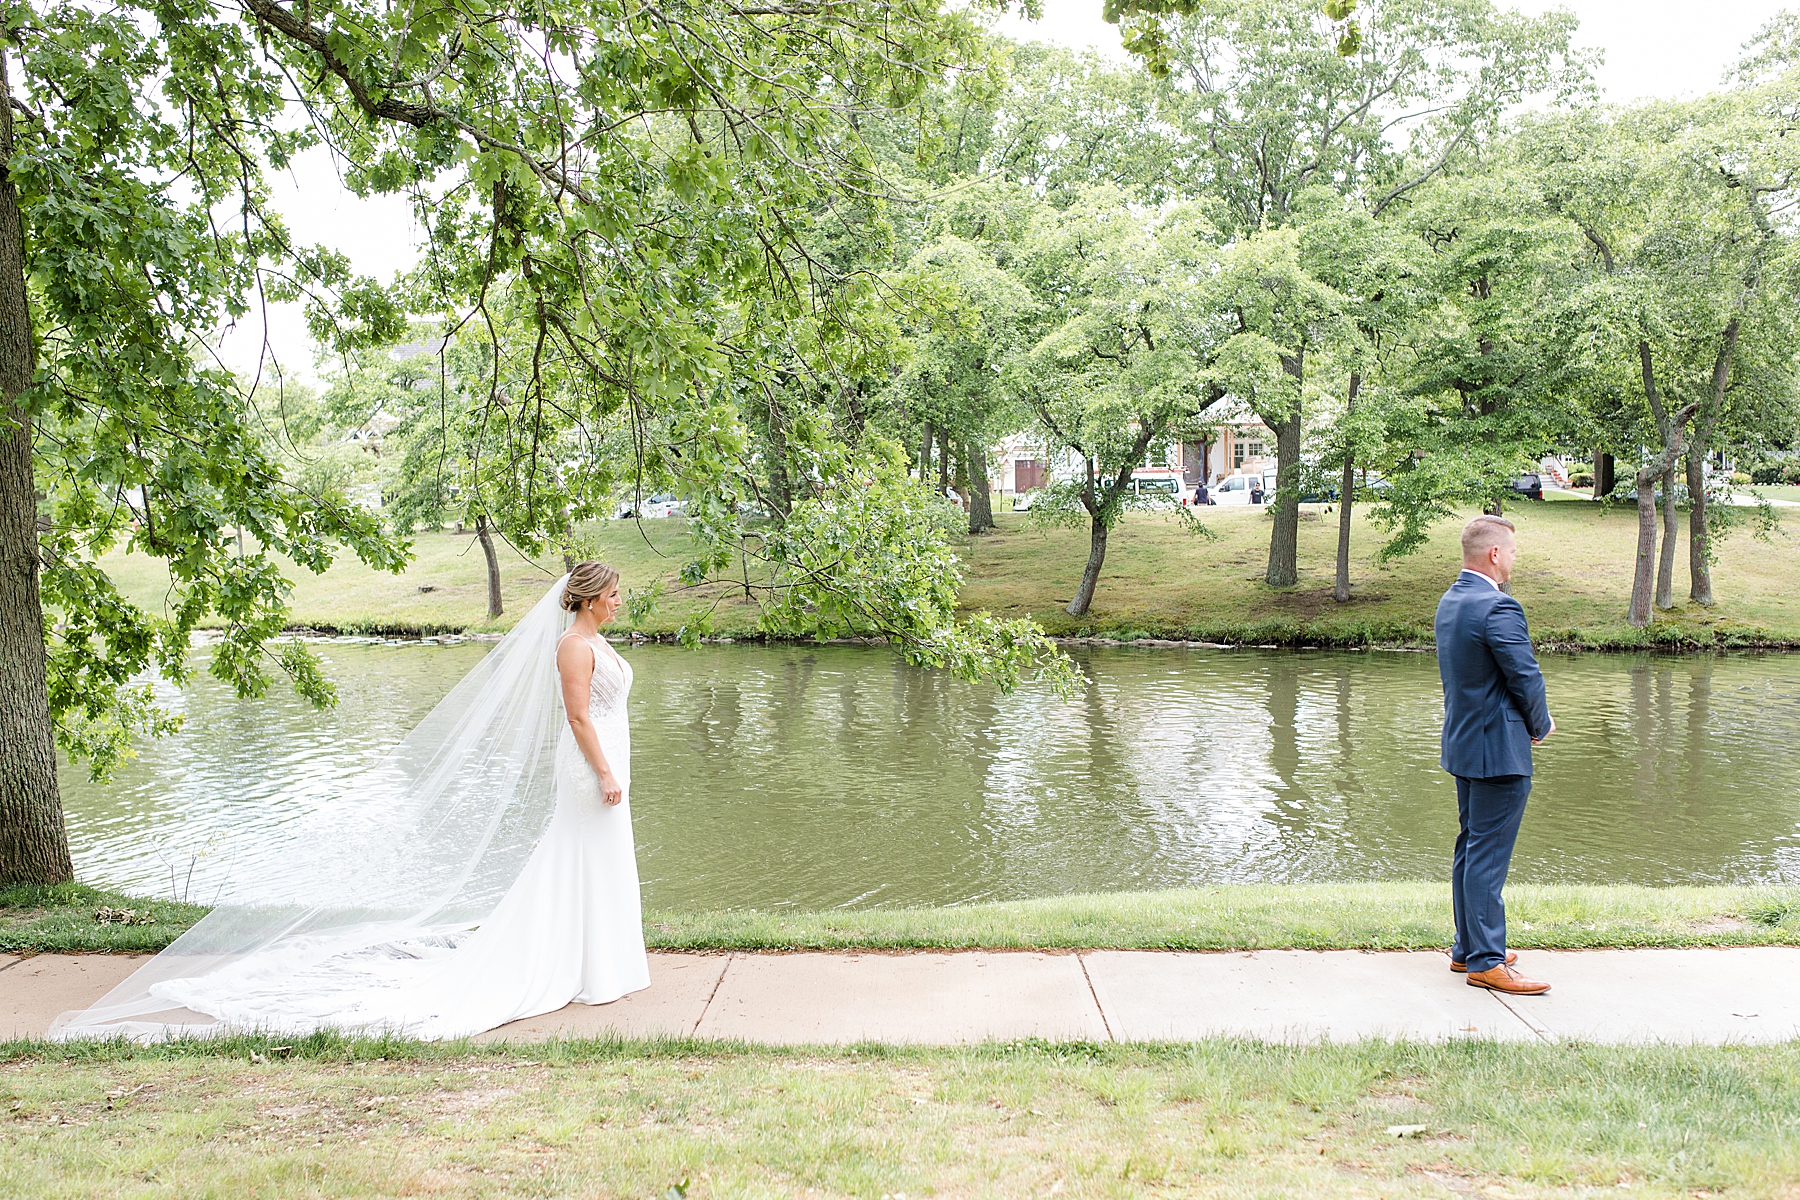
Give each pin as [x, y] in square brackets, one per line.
[1494, 713]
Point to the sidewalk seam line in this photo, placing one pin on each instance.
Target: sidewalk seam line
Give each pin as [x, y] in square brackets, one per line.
[1098, 1007]
[707, 1007]
[1540, 1034]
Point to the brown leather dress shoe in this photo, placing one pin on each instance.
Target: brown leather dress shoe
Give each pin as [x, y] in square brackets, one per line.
[1505, 979]
[1512, 956]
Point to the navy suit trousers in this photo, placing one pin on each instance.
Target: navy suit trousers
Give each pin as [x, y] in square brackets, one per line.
[1488, 811]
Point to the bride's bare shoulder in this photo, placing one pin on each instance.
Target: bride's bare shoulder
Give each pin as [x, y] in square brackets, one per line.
[575, 653]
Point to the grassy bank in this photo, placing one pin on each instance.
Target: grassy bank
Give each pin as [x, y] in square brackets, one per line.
[355, 1119]
[1573, 578]
[72, 917]
[1387, 916]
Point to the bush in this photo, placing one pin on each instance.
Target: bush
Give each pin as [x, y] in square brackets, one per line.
[1739, 479]
[1581, 479]
[1767, 472]
[1790, 473]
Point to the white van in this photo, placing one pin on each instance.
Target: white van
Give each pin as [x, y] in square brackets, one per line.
[1236, 488]
[1158, 487]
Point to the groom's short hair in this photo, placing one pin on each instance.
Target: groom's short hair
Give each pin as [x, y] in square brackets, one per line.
[1483, 534]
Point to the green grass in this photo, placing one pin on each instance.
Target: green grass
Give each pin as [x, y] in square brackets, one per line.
[1776, 491]
[633, 1119]
[1315, 917]
[1382, 916]
[1573, 577]
[61, 919]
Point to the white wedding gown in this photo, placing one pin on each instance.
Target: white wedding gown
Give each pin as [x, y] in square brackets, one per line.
[569, 929]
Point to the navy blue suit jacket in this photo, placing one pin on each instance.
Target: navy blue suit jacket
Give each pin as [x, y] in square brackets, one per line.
[1493, 691]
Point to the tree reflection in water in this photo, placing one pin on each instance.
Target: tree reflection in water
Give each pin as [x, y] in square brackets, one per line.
[818, 776]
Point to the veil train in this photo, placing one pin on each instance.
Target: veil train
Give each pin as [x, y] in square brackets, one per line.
[384, 879]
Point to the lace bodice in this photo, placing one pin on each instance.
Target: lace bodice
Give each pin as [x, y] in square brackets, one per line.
[611, 681]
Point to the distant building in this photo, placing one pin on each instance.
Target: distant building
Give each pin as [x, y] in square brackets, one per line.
[1240, 442]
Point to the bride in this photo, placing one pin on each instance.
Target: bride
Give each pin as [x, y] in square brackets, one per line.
[470, 879]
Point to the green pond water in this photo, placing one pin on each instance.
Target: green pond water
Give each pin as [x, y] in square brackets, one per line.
[828, 776]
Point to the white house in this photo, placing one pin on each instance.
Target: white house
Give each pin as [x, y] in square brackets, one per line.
[1239, 442]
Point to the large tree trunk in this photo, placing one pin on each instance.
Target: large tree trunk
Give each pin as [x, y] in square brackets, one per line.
[981, 504]
[1090, 575]
[1665, 567]
[484, 533]
[1284, 540]
[1644, 577]
[1346, 497]
[1604, 475]
[34, 847]
[925, 444]
[1700, 589]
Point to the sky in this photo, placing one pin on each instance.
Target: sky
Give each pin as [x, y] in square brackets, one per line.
[1653, 48]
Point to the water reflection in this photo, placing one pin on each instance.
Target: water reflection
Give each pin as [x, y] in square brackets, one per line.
[836, 776]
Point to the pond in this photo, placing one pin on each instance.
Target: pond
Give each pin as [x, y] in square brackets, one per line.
[837, 776]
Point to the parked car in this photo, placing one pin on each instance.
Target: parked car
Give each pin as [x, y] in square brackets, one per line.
[653, 507]
[1529, 485]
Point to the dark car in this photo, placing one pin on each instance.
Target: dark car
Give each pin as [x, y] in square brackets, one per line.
[1529, 486]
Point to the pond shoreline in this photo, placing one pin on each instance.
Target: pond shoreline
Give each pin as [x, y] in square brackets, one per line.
[1655, 639]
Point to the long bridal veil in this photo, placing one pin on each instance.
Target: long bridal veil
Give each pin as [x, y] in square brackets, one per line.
[406, 859]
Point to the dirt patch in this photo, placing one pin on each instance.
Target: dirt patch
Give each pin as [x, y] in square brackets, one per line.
[1719, 925]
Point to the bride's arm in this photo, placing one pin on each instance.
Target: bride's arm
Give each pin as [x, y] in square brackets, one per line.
[575, 663]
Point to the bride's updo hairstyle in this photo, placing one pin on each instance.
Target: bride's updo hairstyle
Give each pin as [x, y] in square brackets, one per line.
[588, 581]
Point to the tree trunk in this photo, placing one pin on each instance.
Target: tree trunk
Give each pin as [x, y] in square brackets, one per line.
[981, 503]
[943, 460]
[34, 848]
[1346, 493]
[925, 454]
[1643, 578]
[1284, 540]
[1090, 575]
[484, 532]
[1700, 589]
[1646, 550]
[1665, 567]
[1604, 475]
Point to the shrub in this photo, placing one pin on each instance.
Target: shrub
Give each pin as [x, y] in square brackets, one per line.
[1739, 479]
[1790, 473]
[1581, 479]
[1767, 472]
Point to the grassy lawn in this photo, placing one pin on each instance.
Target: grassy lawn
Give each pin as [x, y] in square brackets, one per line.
[1317, 916]
[65, 918]
[1776, 491]
[1573, 578]
[605, 1119]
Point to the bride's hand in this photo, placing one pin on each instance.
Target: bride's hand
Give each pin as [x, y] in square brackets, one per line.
[610, 789]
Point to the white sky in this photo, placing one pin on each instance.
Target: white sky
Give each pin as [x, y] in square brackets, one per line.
[1661, 48]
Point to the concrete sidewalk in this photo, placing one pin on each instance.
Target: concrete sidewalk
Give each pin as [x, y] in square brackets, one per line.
[1747, 994]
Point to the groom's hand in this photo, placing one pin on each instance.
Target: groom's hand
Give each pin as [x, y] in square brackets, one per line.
[1547, 733]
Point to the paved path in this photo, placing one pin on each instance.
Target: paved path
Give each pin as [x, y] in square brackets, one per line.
[1733, 995]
